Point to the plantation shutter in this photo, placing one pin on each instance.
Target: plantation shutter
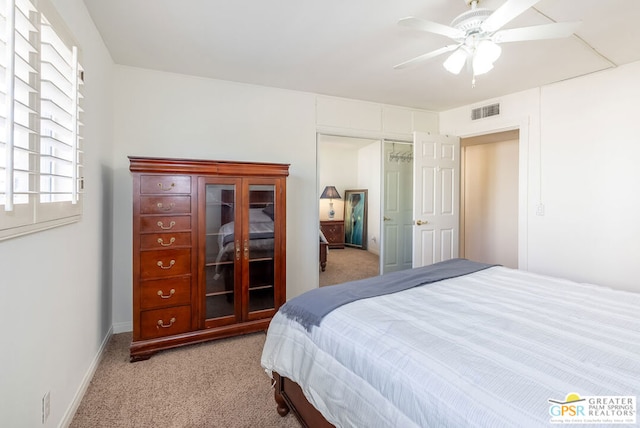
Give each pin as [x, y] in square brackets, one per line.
[18, 149]
[60, 152]
[40, 152]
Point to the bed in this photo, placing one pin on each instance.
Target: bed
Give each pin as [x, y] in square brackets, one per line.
[324, 251]
[490, 347]
[222, 247]
[324, 248]
[260, 236]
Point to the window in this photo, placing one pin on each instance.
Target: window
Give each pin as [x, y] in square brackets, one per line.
[40, 129]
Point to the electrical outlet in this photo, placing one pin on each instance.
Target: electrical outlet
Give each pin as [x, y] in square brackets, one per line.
[46, 406]
[540, 210]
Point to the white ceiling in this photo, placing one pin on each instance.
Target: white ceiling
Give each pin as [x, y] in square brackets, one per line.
[347, 48]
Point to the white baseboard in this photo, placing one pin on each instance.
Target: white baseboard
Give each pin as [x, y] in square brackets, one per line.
[122, 327]
[77, 399]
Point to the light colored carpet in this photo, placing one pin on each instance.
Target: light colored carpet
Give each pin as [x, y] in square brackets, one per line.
[349, 264]
[215, 384]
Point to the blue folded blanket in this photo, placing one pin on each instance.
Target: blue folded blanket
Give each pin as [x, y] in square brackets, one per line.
[309, 308]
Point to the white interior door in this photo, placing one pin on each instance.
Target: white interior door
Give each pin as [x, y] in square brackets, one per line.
[397, 207]
[436, 198]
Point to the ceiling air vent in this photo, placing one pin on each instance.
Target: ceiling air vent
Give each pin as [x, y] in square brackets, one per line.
[485, 111]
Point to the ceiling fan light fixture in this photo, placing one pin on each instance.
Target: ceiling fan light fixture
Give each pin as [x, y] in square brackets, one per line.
[481, 67]
[489, 50]
[477, 33]
[456, 61]
[486, 53]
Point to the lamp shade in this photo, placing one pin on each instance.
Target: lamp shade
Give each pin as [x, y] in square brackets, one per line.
[485, 55]
[330, 192]
[456, 61]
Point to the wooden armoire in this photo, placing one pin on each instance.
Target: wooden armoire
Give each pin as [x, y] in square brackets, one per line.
[209, 250]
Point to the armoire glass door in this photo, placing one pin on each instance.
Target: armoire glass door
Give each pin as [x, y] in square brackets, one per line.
[261, 248]
[222, 252]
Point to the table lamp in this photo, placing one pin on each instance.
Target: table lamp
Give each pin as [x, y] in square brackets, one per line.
[330, 193]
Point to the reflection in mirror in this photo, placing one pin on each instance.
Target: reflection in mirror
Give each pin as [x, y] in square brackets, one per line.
[349, 163]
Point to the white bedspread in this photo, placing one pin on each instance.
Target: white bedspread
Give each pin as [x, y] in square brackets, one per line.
[488, 349]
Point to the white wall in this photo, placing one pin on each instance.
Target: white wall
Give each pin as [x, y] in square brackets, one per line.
[369, 170]
[581, 165]
[169, 115]
[336, 161]
[56, 285]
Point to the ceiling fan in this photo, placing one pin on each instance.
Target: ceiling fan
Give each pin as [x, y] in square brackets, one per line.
[477, 33]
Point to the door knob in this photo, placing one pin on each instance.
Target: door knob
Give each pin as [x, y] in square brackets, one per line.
[420, 222]
[385, 218]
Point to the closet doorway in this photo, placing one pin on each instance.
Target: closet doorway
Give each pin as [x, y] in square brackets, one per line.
[489, 198]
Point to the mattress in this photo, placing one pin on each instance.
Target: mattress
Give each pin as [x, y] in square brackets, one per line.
[491, 348]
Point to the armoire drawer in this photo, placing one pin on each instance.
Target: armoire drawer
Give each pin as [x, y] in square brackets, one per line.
[160, 293]
[163, 263]
[165, 322]
[159, 241]
[165, 223]
[150, 184]
[165, 204]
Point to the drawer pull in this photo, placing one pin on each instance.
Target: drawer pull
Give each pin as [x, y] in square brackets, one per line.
[246, 249]
[238, 250]
[171, 321]
[163, 296]
[166, 189]
[169, 207]
[161, 242]
[162, 266]
[163, 227]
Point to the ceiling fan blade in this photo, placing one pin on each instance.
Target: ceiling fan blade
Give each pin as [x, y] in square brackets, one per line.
[432, 27]
[505, 13]
[537, 32]
[426, 56]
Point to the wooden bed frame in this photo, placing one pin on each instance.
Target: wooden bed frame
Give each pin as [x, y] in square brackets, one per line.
[289, 397]
[288, 394]
[323, 255]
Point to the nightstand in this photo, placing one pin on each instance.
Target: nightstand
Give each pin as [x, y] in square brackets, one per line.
[334, 232]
